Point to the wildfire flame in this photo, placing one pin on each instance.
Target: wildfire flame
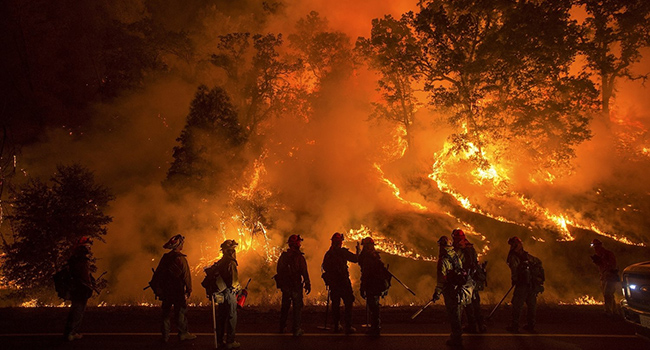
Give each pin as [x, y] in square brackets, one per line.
[396, 191]
[583, 300]
[499, 179]
[387, 245]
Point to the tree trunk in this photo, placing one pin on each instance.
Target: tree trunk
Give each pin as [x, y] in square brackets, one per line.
[606, 89]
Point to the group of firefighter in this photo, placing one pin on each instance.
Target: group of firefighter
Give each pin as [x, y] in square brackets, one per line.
[460, 278]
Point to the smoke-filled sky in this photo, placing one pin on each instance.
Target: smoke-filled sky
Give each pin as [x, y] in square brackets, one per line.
[322, 174]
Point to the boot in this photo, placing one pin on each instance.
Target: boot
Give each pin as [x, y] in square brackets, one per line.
[350, 330]
[454, 342]
[74, 336]
[233, 345]
[470, 328]
[482, 328]
[186, 336]
[512, 329]
[529, 328]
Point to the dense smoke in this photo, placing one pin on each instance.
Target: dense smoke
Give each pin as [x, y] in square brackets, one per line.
[327, 173]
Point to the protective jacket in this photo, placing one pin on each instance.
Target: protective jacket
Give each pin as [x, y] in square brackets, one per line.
[174, 275]
[526, 270]
[606, 262]
[292, 271]
[469, 262]
[375, 278]
[335, 266]
[452, 281]
[81, 273]
[227, 267]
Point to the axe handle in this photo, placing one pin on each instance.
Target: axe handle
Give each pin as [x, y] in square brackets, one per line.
[421, 309]
[499, 304]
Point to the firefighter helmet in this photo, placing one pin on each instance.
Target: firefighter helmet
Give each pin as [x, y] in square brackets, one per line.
[228, 244]
[84, 240]
[294, 239]
[368, 241]
[174, 242]
[457, 234]
[337, 237]
[596, 242]
[514, 240]
[444, 241]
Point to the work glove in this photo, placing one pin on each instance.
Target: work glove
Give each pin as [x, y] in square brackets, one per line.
[435, 296]
[307, 289]
[363, 294]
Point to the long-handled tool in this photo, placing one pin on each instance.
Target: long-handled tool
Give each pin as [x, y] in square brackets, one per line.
[499, 304]
[422, 309]
[149, 286]
[400, 282]
[367, 324]
[214, 321]
[327, 309]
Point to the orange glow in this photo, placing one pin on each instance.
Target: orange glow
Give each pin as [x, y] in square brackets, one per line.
[386, 245]
[583, 300]
[396, 191]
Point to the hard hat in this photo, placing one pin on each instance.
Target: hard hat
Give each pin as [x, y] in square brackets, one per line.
[228, 244]
[514, 240]
[174, 242]
[596, 242]
[444, 241]
[367, 241]
[337, 237]
[457, 233]
[85, 241]
[293, 239]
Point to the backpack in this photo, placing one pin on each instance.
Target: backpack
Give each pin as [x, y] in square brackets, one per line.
[213, 282]
[289, 271]
[537, 276]
[63, 281]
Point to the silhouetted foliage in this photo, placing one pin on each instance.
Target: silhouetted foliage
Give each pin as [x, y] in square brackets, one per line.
[321, 50]
[210, 144]
[499, 70]
[48, 219]
[61, 57]
[255, 75]
[393, 50]
[614, 33]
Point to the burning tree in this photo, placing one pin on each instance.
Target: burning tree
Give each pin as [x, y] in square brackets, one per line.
[48, 219]
[502, 73]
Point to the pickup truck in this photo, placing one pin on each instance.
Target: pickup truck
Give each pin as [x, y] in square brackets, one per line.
[636, 290]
